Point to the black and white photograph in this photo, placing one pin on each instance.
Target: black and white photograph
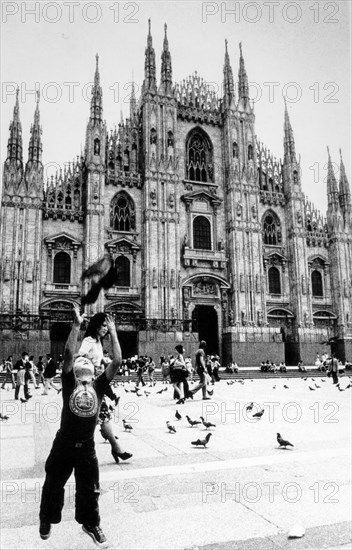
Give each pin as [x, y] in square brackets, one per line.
[175, 275]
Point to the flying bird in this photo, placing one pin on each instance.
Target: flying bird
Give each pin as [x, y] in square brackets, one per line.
[127, 427]
[207, 424]
[249, 407]
[101, 274]
[202, 442]
[192, 422]
[282, 442]
[171, 428]
[177, 414]
[258, 414]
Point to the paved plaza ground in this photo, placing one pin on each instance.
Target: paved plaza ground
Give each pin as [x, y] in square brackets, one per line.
[241, 492]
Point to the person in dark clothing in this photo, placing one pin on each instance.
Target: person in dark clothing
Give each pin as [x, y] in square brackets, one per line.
[201, 370]
[73, 447]
[23, 363]
[49, 374]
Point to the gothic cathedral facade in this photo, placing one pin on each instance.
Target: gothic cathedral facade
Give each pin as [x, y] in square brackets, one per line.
[213, 237]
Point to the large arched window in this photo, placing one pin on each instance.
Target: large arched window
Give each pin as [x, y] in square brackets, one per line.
[122, 265]
[271, 230]
[317, 283]
[201, 233]
[274, 281]
[199, 158]
[122, 213]
[62, 268]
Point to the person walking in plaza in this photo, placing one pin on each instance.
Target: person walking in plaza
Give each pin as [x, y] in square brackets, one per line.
[20, 383]
[334, 369]
[9, 374]
[73, 447]
[201, 371]
[40, 371]
[30, 371]
[49, 374]
[24, 366]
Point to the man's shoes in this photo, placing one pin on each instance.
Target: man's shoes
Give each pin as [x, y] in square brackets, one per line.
[29, 397]
[44, 530]
[206, 398]
[96, 534]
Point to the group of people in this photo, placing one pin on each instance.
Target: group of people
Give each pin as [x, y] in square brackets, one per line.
[25, 370]
[271, 366]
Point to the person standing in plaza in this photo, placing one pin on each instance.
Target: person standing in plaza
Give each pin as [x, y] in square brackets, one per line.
[49, 374]
[334, 369]
[73, 447]
[40, 370]
[9, 375]
[201, 371]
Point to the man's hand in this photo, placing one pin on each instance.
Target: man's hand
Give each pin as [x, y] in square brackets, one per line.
[110, 324]
[78, 318]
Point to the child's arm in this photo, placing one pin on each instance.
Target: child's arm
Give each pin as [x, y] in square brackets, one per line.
[71, 343]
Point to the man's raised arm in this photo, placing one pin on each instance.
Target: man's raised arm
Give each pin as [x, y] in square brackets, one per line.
[71, 344]
[111, 369]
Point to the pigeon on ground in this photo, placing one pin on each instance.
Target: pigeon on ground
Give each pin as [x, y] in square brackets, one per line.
[249, 407]
[210, 392]
[160, 391]
[322, 379]
[135, 390]
[282, 442]
[207, 424]
[306, 378]
[177, 414]
[171, 429]
[101, 274]
[316, 385]
[274, 387]
[127, 427]
[258, 414]
[202, 442]
[192, 422]
[311, 389]
[313, 379]
[4, 417]
[147, 393]
[286, 387]
[127, 391]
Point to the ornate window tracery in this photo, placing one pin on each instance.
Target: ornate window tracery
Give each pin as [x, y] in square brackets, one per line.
[122, 213]
[62, 268]
[274, 281]
[201, 233]
[271, 230]
[199, 156]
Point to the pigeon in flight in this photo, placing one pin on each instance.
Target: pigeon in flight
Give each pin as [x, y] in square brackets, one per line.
[171, 429]
[282, 442]
[258, 414]
[101, 274]
[202, 442]
[207, 424]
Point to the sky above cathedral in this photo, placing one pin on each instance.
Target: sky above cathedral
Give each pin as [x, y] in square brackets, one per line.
[300, 50]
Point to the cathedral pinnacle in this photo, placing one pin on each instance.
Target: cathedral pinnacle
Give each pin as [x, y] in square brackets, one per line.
[333, 196]
[344, 189]
[133, 103]
[166, 67]
[229, 87]
[289, 141]
[96, 105]
[243, 92]
[149, 83]
[35, 142]
[14, 145]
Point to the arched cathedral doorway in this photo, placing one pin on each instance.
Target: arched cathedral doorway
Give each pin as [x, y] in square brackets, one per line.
[205, 322]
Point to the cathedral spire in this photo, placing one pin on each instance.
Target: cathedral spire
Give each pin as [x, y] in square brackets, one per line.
[35, 142]
[166, 66]
[243, 92]
[96, 105]
[133, 102]
[289, 141]
[344, 189]
[229, 87]
[149, 83]
[333, 194]
[14, 145]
